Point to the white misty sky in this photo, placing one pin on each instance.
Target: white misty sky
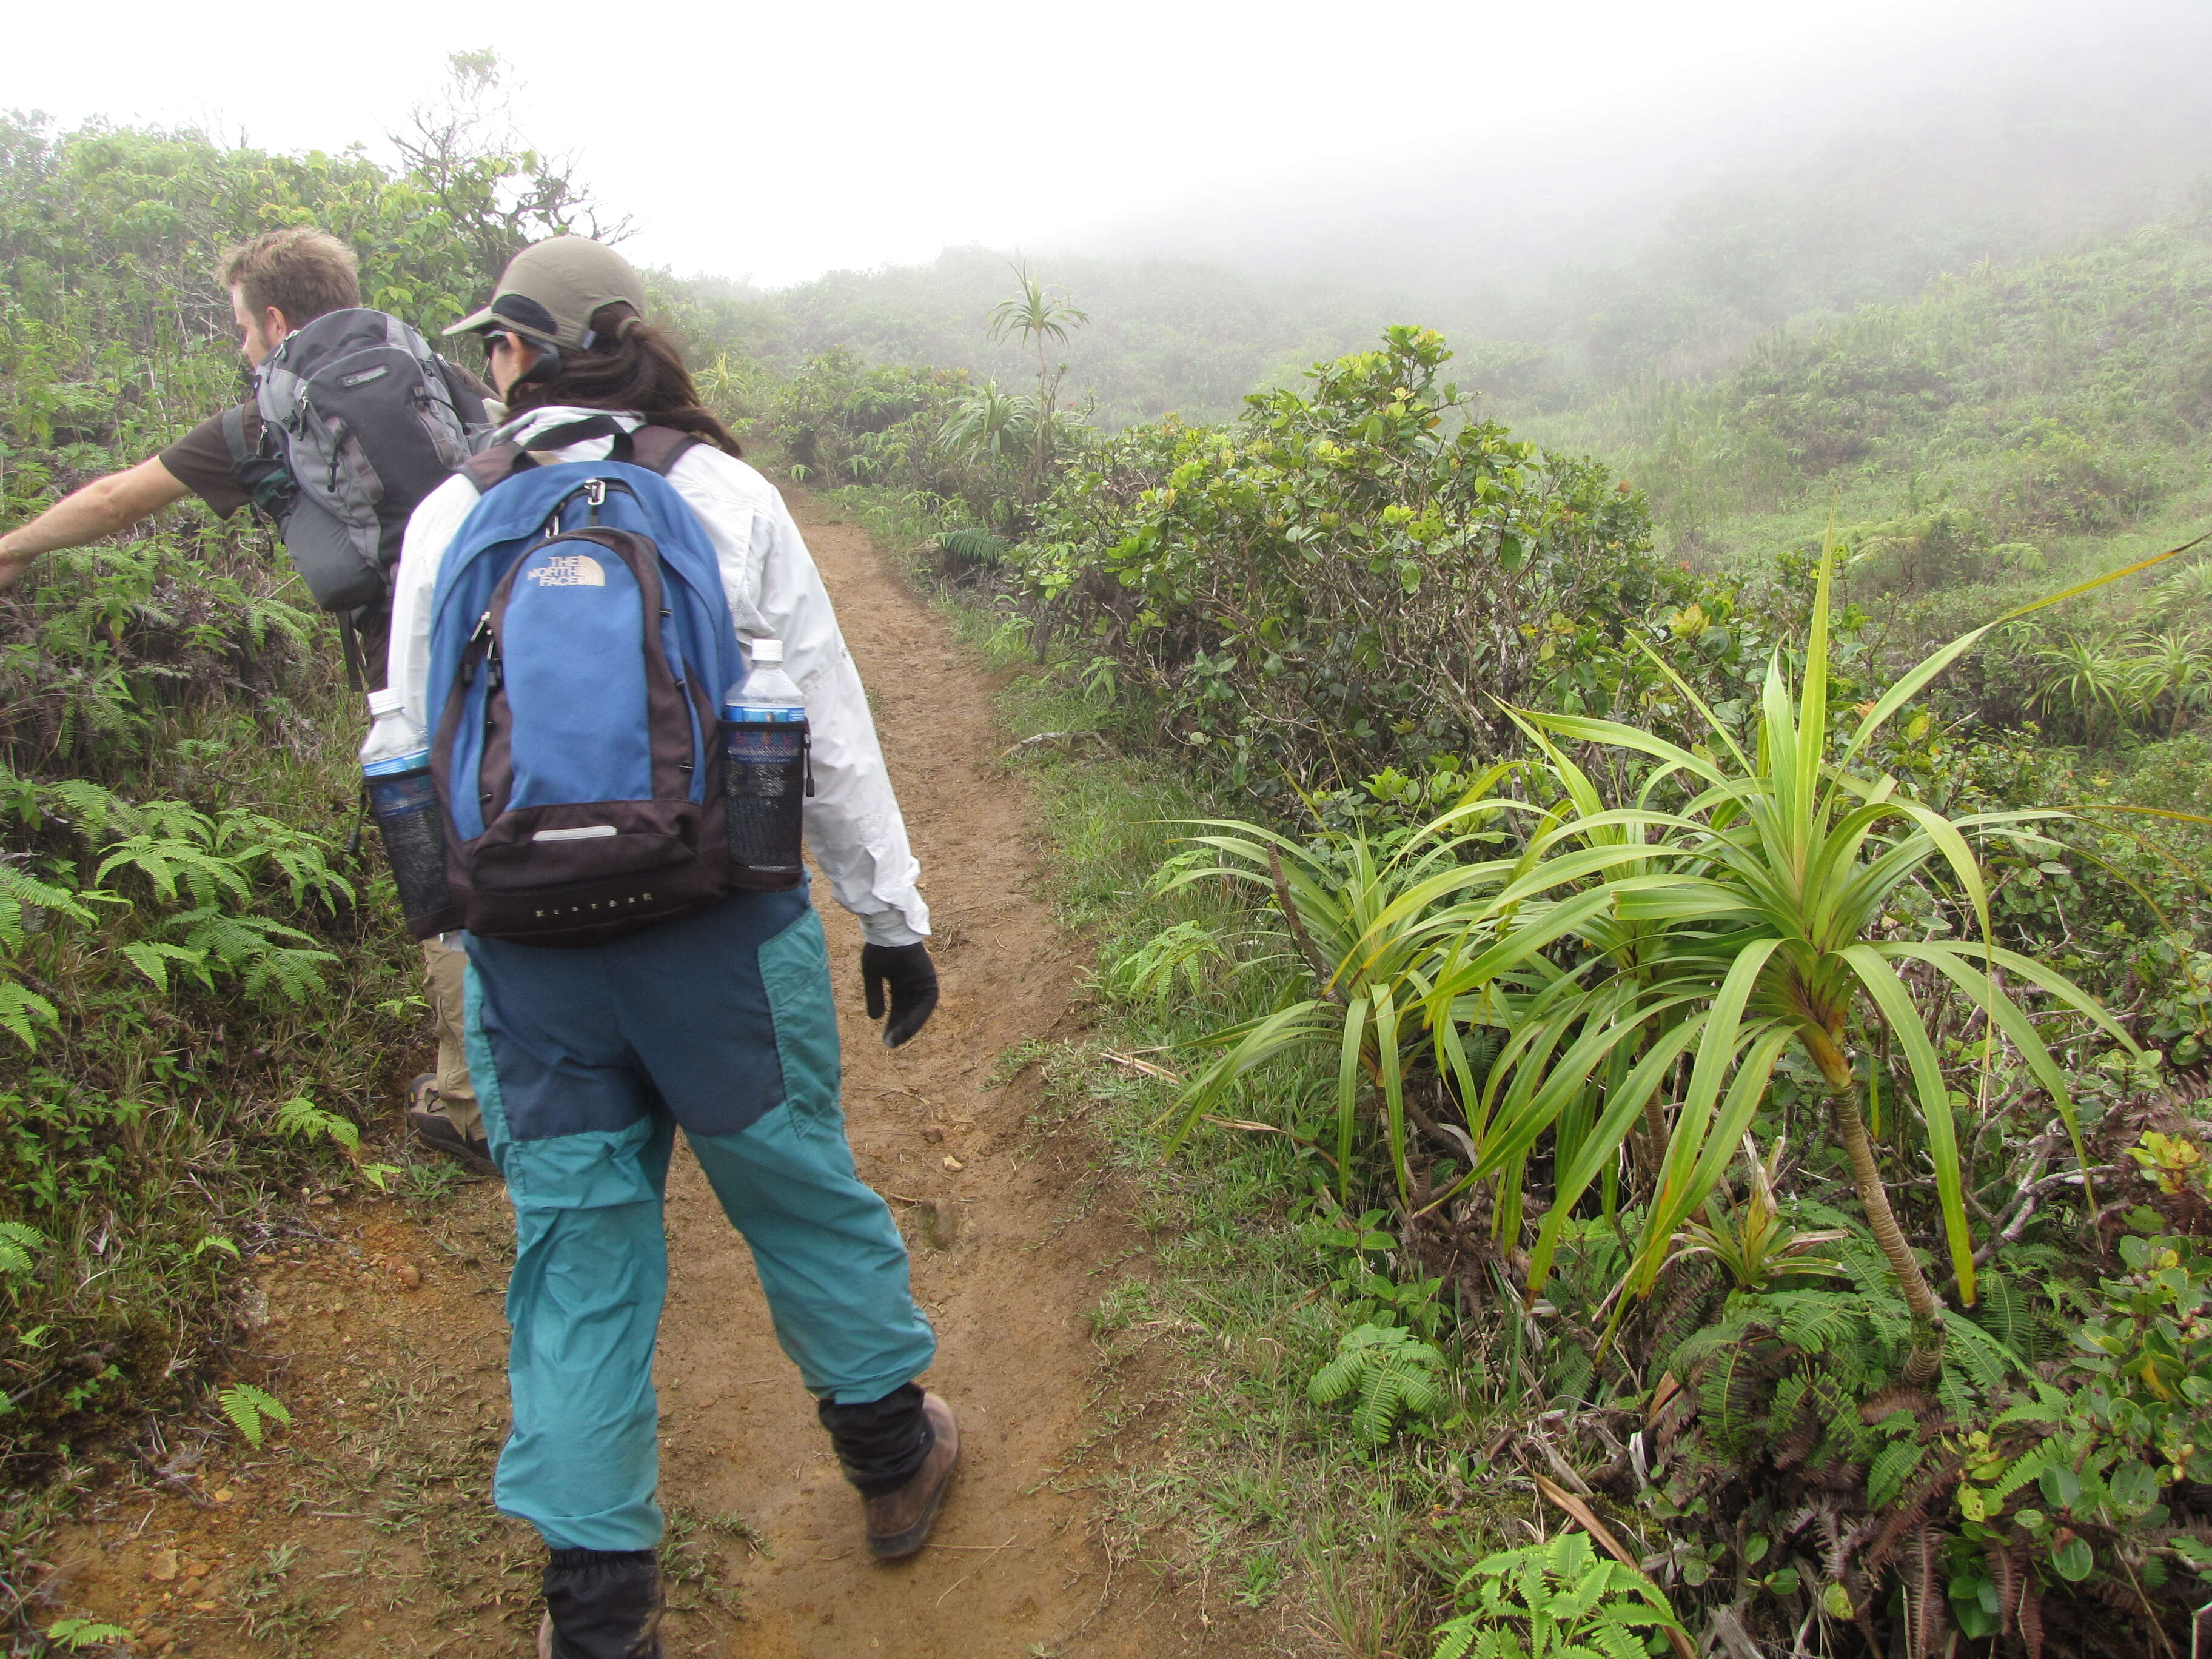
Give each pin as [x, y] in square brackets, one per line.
[777, 143]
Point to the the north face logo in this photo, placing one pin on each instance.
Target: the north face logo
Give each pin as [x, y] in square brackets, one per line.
[569, 570]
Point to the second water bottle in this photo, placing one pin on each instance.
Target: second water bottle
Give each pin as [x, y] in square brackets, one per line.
[765, 778]
[395, 765]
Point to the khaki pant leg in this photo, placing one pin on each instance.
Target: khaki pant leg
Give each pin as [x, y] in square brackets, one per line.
[443, 968]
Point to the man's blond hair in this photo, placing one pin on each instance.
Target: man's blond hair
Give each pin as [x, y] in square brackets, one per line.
[304, 273]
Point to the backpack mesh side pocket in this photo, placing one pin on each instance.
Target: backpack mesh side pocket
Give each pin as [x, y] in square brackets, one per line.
[765, 781]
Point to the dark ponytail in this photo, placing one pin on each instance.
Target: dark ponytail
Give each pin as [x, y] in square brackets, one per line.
[630, 365]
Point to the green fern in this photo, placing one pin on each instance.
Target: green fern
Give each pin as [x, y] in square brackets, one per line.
[18, 1241]
[1554, 1599]
[19, 1007]
[22, 891]
[300, 1117]
[1892, 1466]
[1389, 1370]
[1975, 1353]
[152, 958]
[89, 809]
[250, 1409]
[1177, 962]
[1732, 1389]
[258, 843]
[2006, 1314]
[1819, 1321]
[251, 947]
[75, 1634]
[2024, 1469]
[971, 550]
[168, 862]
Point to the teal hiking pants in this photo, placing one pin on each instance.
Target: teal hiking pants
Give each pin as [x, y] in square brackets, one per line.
[586, 1061]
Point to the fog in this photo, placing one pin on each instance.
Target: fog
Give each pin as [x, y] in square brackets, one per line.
[1987, 133]
[1422, 145]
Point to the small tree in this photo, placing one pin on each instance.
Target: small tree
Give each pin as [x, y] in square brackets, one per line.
[500, 194]
[1037, 314]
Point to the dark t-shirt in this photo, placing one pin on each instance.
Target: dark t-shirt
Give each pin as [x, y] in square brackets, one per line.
[200, 460]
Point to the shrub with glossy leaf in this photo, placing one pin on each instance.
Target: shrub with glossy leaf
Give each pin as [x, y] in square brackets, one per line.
[1350, 574]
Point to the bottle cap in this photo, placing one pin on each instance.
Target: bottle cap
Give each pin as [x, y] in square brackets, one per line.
[386, 701]
[766, 651]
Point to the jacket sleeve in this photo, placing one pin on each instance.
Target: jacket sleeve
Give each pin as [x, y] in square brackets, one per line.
[414, 583]
[852, 823]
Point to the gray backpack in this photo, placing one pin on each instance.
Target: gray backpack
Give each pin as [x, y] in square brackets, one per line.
[360, 420]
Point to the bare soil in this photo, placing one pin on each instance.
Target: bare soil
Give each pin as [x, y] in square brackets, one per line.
[367, 1528]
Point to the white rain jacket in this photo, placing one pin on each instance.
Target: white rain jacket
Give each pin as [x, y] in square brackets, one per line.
[853, 822]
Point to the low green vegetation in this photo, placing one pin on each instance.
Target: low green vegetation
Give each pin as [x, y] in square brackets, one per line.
[1715, 1075]
[205, 999]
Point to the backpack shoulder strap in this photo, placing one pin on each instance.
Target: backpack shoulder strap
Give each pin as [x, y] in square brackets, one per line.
[467, 404]
[658, 448]
[495, 465]
[232, 424]
[655, 448]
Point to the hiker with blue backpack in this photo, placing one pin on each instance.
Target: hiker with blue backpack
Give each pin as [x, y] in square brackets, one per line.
[621, 690]
[354, 420]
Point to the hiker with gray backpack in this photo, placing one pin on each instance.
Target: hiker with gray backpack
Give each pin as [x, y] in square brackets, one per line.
[618, 695]
[354, 420]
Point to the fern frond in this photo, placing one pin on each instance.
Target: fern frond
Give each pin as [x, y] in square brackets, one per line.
[1983, 1358]
[1391, 1371]
[246, 1406]
[93, 810]
[21, 891]
[152, 958]
[18, 1240]
[2024, 1469]
[1817, 1321]
[19, 1006]
[1382, 1393]
[300, 1117]
[1892, 1466]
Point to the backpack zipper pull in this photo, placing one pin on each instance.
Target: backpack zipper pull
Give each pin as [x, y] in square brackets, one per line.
[595, 496]
[470, 657]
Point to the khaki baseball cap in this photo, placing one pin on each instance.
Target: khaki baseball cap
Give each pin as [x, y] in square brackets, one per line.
[549, 292]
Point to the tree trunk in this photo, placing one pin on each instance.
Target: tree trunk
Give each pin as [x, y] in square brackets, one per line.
[1927, 1358]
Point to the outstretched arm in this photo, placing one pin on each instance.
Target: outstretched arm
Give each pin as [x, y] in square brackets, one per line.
[101, 508]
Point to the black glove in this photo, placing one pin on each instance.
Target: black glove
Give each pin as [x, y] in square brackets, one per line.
[912, 977]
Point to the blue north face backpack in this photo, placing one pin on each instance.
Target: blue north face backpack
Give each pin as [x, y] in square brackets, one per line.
[580, 643]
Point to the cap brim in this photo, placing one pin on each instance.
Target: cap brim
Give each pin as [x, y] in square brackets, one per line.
[482, 319]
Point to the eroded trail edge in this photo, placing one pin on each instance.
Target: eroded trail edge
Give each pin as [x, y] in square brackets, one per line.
[366, 1528]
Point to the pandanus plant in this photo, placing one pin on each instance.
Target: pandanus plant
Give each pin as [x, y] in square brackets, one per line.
[1370, 920]
[1653, 962]
[1750, 922]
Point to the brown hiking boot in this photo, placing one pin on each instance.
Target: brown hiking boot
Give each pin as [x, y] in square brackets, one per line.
[899, 1522]
[440, 1133]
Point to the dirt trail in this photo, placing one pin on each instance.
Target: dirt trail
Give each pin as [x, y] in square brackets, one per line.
[379, 1490]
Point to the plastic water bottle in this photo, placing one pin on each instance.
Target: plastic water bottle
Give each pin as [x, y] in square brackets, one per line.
[395, 765]
[765, 781]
